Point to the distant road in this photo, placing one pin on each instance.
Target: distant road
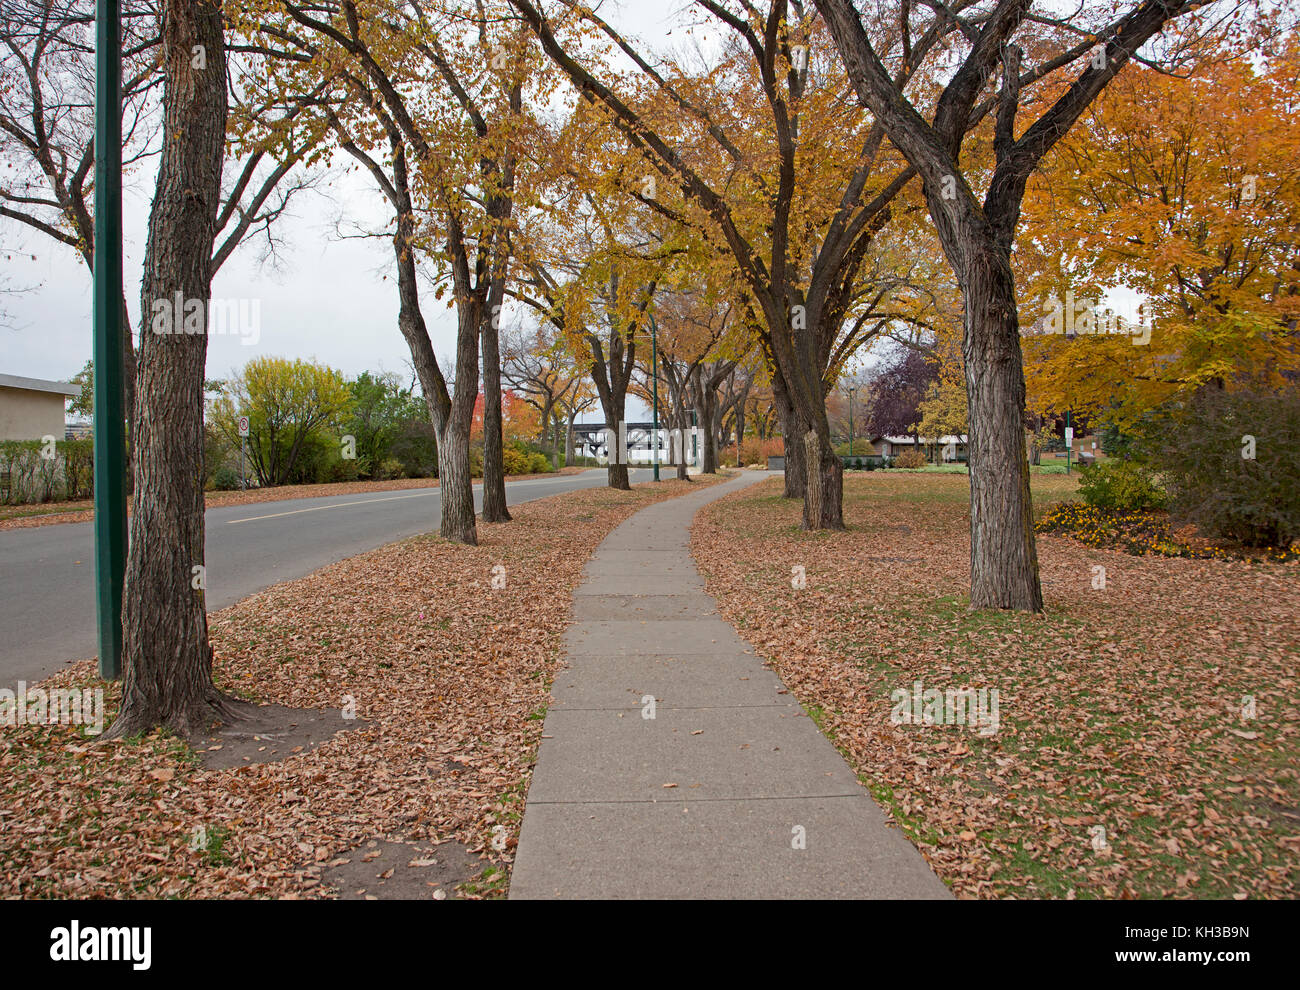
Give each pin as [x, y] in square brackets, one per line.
[47, 573]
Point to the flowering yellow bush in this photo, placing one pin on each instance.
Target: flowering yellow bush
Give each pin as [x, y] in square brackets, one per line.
[1138, 533]
[910, 459]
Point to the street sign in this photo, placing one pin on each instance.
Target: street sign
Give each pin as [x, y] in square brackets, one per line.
[1069, 437]
[243, 435]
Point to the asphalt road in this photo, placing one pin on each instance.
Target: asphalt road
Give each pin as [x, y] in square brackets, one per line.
[47, 573]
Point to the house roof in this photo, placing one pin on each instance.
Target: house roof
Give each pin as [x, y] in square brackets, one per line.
[39, 385]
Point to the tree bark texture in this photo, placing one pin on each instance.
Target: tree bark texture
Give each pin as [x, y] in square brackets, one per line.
[494, 475]
[168, 658]
[812, 512]
[1004, 555]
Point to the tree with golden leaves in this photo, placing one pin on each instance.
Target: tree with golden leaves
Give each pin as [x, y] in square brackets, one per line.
[1186, 191]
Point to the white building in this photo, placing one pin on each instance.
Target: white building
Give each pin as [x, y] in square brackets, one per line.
[32, 408]
[938, 449]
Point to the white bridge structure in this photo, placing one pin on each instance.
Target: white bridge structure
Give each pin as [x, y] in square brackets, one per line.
[636, 443]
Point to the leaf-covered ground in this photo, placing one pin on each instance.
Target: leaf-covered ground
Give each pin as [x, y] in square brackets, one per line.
[449, 675]
[1148, 732]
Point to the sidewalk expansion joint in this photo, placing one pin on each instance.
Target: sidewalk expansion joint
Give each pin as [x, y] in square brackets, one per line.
[709, 800]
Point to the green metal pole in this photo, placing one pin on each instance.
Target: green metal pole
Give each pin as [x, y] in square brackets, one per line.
[109, 411]
[654, 374]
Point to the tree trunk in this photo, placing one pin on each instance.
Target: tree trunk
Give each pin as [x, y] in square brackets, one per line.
[740, 430]
[570, 451]
[719, 431]
[456, 486]
[168, 658]
[682, 449]
[831, 473]
[128, 382]
[812, 506]
[612, 378]
[616, 468]
[799, 393]
[792, 432]
[494, 476]
[796, 468]
[832, 483]
[706, 413]
[1004, 557]
[675, 418]
[616, 475]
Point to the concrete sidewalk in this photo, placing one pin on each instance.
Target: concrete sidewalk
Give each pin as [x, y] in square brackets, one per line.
[749, 772]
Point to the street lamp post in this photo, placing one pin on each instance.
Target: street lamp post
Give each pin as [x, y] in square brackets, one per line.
[109, 412]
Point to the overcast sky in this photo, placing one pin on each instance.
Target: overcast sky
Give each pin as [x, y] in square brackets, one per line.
[328, 300]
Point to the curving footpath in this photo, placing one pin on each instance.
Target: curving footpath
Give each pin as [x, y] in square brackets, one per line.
[723, 787]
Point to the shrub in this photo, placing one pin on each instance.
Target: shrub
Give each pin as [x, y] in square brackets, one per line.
[518, 458]
[1120, 485]
[514, 458]
[217, 450]
[859, 463]
[1115, 442]
[1139, 533]
[224, 479]
[390, 467]
[1132, 440]
[417, 449]
[30, 476]
[333, 468]
[1232, 466]
[910, 459]
[78, 468]
[319, 460]
[755, 451]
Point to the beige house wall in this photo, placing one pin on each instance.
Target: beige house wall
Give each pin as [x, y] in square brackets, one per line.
[29, 415]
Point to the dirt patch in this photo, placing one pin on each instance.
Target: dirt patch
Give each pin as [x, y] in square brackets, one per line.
[266, 733]
[405, 871]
